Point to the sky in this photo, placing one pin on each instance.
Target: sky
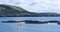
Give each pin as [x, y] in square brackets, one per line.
[37, 6]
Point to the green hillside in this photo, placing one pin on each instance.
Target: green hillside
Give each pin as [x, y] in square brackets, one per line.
[14, 11]
[8, 10]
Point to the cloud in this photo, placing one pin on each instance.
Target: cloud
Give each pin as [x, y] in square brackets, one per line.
[37, 6]
[43, 6]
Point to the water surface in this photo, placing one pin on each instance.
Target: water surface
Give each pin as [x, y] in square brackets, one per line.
[15, 27]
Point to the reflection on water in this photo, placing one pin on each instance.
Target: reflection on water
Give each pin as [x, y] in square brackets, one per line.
[11, 27]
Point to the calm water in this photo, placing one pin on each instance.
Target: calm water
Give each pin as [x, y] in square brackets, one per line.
[11, 27]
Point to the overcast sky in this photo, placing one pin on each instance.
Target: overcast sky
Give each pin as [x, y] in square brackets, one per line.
[37, 6]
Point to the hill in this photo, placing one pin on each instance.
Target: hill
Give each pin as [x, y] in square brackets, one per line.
[14, 11]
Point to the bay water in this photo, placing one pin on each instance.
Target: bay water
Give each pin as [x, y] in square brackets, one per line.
[15, 27]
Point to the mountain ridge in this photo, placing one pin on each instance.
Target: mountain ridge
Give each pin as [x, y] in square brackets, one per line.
[14, 11]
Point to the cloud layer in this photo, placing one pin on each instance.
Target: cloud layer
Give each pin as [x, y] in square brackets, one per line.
[37, 6]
